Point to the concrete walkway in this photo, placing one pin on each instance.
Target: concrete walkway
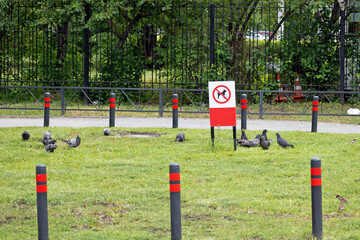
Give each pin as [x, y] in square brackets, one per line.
[132, 122]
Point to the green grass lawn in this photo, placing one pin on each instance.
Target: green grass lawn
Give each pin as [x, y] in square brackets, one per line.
[118, 187]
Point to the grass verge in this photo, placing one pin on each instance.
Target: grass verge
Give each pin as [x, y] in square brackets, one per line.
[117, 187]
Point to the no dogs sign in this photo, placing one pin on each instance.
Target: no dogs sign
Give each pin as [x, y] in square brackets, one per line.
[222, 103]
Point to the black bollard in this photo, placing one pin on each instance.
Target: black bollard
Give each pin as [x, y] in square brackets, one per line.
[175, 102]
[112, 110]
[315, 110]
[175, 205]
[316, 198]
[234, 137]
[47, 109]
[243, 110]
[42, 209]
[212, 135]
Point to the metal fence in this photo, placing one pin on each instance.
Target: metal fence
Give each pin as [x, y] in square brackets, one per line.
[154, 100]
[184, 47]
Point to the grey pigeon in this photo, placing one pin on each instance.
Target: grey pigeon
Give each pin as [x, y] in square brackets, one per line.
[48, 141]
[75, 142]
[50, 147]
[47, 135]
[265, 144]
[250, 143]
[353, 140]
[243, 135]
[282, 142]
[264, 134]
[180, 137]
[106, 132]
[25, 135]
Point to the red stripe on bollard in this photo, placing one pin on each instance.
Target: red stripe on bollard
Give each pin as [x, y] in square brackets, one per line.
[174, 176]
[315, 102]
[243, 100]
[112, 105]
[316, 171]
[175, 106]
[243, 106]
[112, 100]
[174, 187]
[47, 99]
[315, 109]
[41, 178]
[47, 104]
[41, 188]
[316, 182]
[175, 100]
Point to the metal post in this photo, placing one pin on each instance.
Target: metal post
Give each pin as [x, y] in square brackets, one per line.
[42, 209]
[315, 110]
[47, 109]
[261, 99]
[63, 110]
[212, 34]
[234, 137]
[175, 102]
[342, 54]
[316, 198]
[212, 135]
[243, 110]
[112, 109]
[161, 102]
[86, 50]
[175, 204]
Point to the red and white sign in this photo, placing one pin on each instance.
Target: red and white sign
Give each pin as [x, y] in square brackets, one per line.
[222, 103]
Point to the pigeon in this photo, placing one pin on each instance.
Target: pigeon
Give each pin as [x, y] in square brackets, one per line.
[264, 134]
[48, 141]
[265, 144]
[243, 135]
[282, 142]
[250, 143]
[50, 147]
[75, 142]
[47, 135]
[180, 137]
[353, 140]
[343, 200]
[25, 135]
[106, 132]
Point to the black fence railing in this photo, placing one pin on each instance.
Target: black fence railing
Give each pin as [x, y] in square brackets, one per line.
[183, 46]
[260, 102]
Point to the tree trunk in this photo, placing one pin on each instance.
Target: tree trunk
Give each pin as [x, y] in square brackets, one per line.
[63, 33]
[148, 40]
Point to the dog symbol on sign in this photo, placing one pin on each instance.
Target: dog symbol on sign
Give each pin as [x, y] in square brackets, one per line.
[221, 94]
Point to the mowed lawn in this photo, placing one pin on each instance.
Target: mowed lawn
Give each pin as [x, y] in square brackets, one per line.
[117, 187]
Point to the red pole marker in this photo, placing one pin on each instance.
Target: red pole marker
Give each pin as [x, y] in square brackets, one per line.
[175, 205]
[175, 102]
[316, 197]
[315, 110]
[112, 110]
[46, 109]
[243, 110]
[41, 196]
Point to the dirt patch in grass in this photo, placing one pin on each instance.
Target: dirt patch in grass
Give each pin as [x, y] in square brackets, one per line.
[80, 227]
[137, 134]
[156, 230]
[7, 220]
[197, 217]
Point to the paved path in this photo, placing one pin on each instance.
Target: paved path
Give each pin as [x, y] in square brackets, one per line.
[132, 122]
